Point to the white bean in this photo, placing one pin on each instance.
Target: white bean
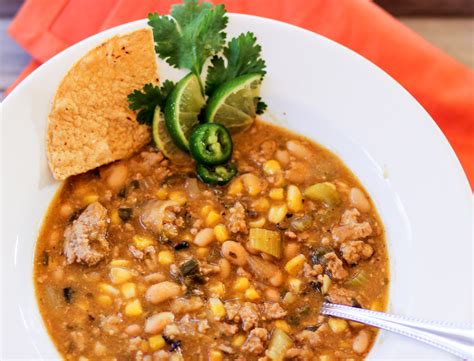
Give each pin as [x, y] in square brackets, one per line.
[204, 237]
[235, 253]
[277, 279]
[224, 264]
[157, 322]
[298, 149]
[291, 250]
[272, 294]
[361, 342]
[117, 176]
[133, 330]
[358, 200]
[162, 291]
[283, 157]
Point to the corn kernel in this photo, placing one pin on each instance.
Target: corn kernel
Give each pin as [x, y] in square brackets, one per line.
[258, 223]
[133, 308]
[252, 184]
[165, 258]
[236, 187]
[202, 252]
[106, 288]
[156, 342]
[252, 294]
[294, 198]
[282, 325]
[277, 213]
[295, 285]
[217, 308]
[179, 197]
[376, 306]
[212, 218]
[119, 275]
[217, 288]
[216, 355]
[326, 284]
[241, 284]
[261, 204]
[337, 325]
[91, 198]
[205, 210]
[238, 340]
[115, 218]
[142, 242]
[277, 194]
[271, 167]
[294, 265]
[221, 232]
[325, 358]
[355, 324]
[129, 290]
[289, 298]
[187, 237]
[119, 262]
[104, 300]
[162, 194]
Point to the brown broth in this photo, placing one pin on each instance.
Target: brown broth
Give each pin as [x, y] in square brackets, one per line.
[86, 314]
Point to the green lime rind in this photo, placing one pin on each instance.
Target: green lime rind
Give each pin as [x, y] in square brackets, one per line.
[182, 110]
[234, 103]
[164, 142]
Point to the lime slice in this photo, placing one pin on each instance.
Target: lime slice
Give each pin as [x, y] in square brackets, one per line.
[182, 109]
[234, 103]
[164, 142]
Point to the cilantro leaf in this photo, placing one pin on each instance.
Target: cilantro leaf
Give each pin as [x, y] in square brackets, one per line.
[193, 33]
[146, 101]
[243, 56]
[261, 106]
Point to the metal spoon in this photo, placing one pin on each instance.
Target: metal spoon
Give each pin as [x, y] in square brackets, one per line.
[455, 338]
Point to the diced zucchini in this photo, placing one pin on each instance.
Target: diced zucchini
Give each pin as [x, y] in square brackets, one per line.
[279, 344]
[266, 241]
[324, 192]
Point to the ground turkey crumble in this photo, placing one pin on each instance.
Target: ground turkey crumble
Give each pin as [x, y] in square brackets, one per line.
[354, 251]
[237, 218]
[256, 340]
[335, 266]
[349, 228]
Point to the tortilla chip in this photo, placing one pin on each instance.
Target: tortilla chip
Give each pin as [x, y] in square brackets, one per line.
[90, 123]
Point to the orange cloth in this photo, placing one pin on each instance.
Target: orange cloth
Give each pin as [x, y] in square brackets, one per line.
[442, 85]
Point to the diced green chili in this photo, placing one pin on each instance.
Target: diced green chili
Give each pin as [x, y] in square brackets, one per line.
[219, 175]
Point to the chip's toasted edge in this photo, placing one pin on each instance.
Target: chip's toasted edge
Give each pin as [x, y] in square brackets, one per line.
[90, 123]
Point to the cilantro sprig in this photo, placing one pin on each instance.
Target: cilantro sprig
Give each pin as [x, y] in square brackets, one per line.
[192, 33]
[146, 101]
[241, 56]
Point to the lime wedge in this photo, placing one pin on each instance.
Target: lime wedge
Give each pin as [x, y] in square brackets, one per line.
[182, 110]
[234, 103]
[164, 142]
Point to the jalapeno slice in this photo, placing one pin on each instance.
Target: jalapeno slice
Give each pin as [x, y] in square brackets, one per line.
[220, 174]
[211, 144]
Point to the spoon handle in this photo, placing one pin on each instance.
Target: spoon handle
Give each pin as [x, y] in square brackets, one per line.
[455, 338]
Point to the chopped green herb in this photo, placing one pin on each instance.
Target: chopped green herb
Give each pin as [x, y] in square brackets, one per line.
[242, 56]
[192, 33]
[146, 101]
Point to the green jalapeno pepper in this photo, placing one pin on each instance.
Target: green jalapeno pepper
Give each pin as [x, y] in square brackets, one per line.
[211, 144]
[220, 174]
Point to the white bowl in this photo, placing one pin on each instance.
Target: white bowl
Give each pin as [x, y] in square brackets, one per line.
[317, 88]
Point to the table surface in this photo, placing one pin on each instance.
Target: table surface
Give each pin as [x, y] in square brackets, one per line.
[454, 35]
